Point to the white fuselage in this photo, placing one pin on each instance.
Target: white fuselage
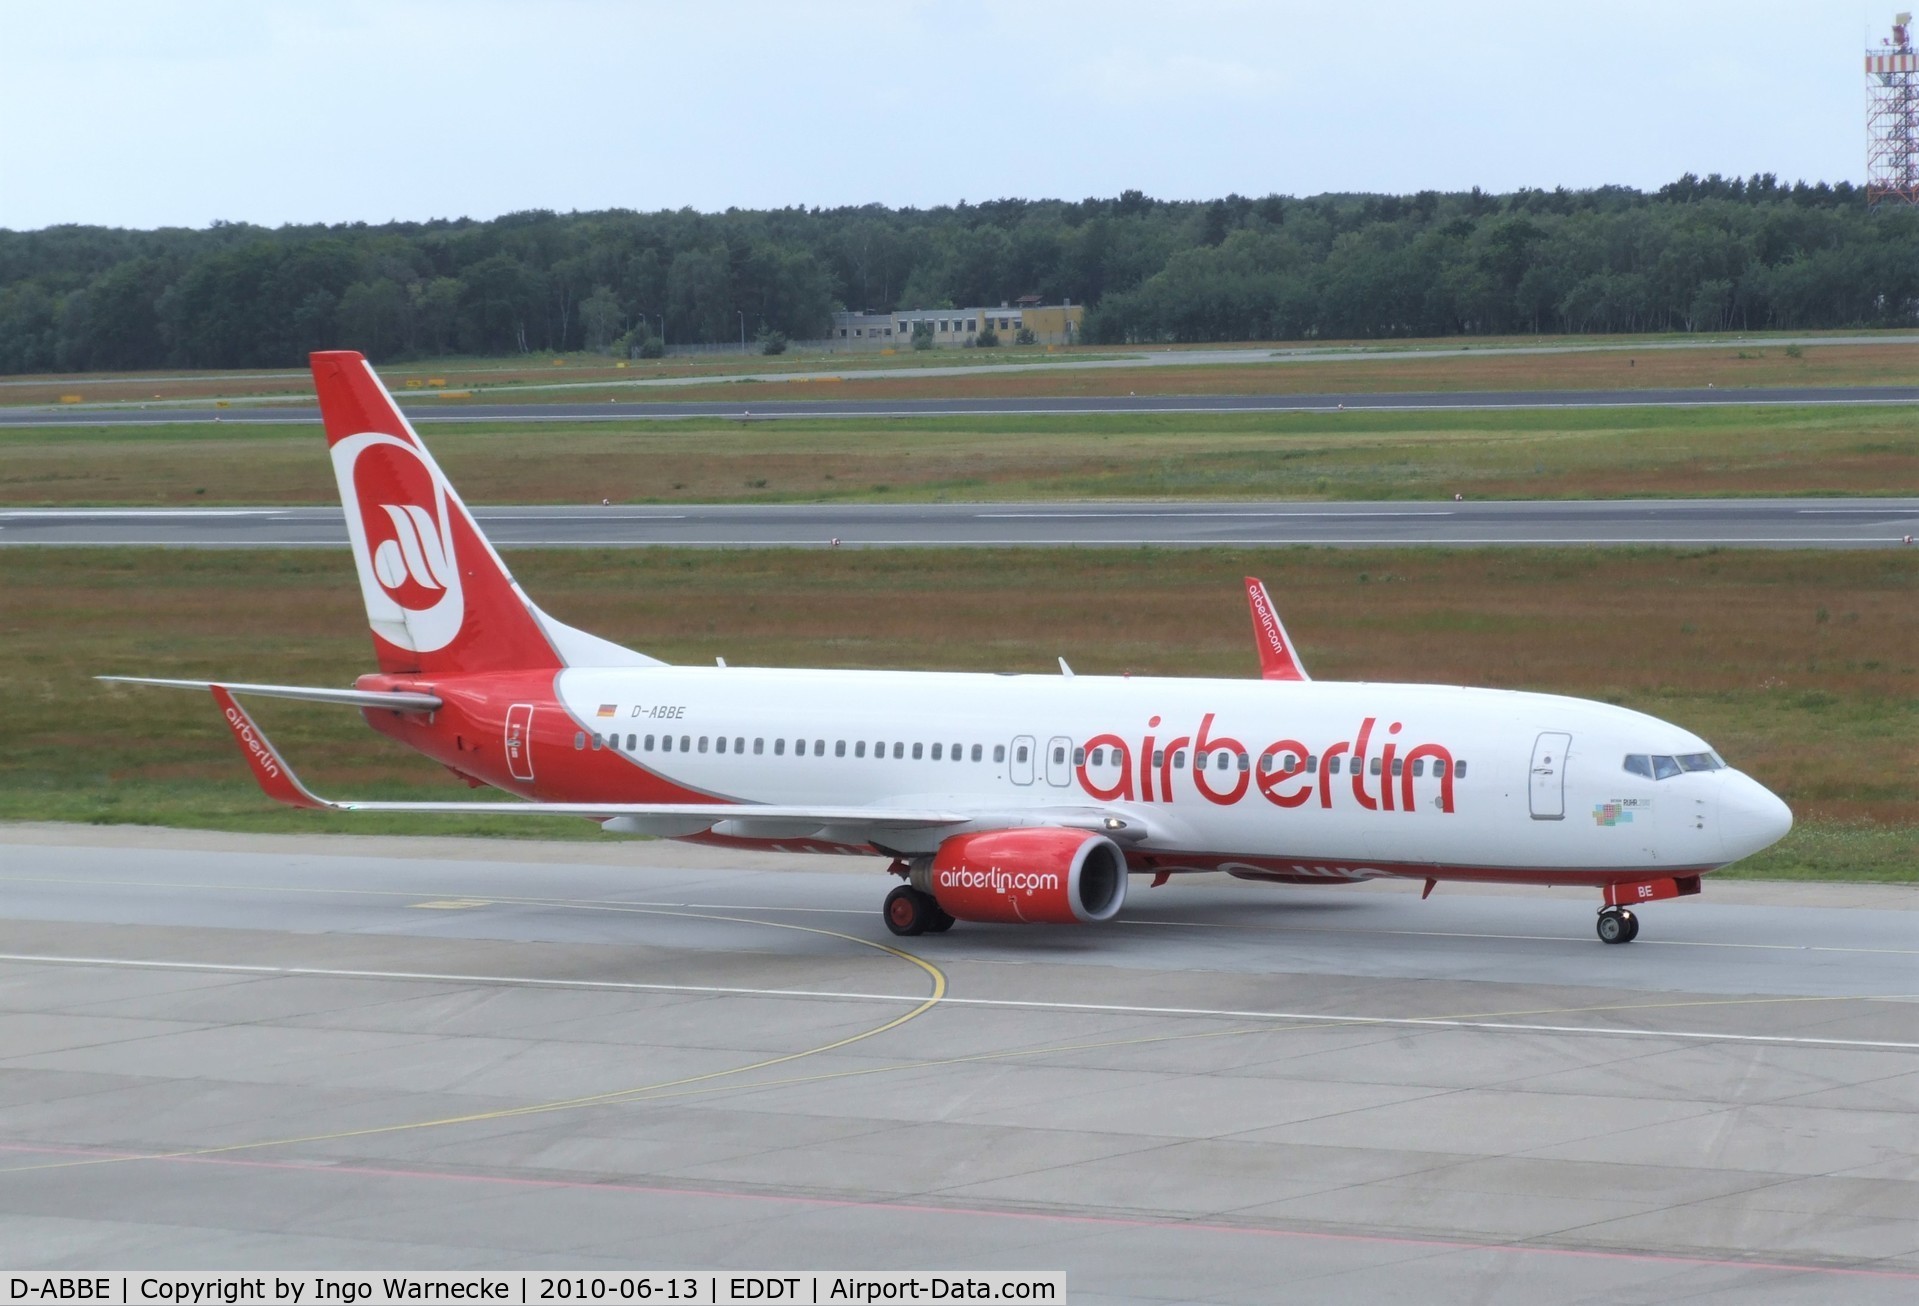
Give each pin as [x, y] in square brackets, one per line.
[1503, 785]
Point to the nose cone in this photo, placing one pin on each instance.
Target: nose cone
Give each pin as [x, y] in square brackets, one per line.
[1751, 817]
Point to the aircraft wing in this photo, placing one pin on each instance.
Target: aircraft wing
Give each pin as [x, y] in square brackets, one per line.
[1277, 660]
[282, 785]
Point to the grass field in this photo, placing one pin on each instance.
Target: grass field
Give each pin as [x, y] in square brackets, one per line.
[1802, 668]
[1584, 453]
[1294, 367]
[1503, 370]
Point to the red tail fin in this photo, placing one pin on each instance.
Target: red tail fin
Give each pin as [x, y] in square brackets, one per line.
[437, 596]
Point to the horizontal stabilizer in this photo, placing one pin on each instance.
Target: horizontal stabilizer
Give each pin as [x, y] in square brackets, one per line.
[391, 700]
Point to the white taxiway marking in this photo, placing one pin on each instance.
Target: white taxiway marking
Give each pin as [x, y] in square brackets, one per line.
[1146, 516]
[174, 513]
[1097, 1008]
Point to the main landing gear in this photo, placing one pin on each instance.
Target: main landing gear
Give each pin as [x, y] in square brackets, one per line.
[1616, 925]
[910, 911]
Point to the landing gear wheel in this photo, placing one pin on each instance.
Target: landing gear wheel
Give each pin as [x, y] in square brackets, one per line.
[942, 919]
[1617, 925]
[908, 911]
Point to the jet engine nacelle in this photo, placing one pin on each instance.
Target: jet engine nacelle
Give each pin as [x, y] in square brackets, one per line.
[1037, 876]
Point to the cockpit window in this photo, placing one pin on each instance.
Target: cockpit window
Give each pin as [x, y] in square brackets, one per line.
[1656, 767]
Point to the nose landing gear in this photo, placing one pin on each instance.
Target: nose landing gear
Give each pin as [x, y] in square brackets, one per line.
[1617, 925]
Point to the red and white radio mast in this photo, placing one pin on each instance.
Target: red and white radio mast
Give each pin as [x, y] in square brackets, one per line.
[1892, 118]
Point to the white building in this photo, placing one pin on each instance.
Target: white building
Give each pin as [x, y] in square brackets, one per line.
[1056, 324]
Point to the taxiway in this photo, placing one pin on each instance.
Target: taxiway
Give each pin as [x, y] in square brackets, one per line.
[252, 1051]
[1775, 523]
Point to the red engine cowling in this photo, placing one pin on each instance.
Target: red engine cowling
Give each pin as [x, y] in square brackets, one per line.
[1039, 876]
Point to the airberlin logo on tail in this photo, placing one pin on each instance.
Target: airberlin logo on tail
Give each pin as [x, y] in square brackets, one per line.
[415, 552]
[401, 525]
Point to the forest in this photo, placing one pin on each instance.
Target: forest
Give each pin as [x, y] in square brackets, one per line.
[1699, 254]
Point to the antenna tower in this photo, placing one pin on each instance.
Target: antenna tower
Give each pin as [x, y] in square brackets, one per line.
[1892, 118]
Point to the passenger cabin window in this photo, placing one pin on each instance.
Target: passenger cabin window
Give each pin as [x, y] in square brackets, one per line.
[1079, 757]
[859, 748]
[1019, 754]
[703, 743]
[685, 742]
[999, 752]
[779, 748]
[1059, 754]
[958, 755]
[936, 752]
[579, 739]
[739, 743]
[1459, 770]
[759, 746]
[839, 748]
[919, 750]
[976, 752]
[899, 750]
[596, 739]
[719, 744]
[632, 744]
[647, 743]
[819, 748]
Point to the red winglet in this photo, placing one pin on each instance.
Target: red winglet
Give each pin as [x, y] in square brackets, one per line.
[274, 775]
[1276, 660]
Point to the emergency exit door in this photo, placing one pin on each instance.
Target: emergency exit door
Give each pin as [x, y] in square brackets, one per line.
[1549, 776]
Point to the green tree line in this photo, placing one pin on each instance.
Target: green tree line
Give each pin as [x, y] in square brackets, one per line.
[1699, 254]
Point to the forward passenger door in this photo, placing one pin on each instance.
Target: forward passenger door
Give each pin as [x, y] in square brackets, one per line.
[1548, 788]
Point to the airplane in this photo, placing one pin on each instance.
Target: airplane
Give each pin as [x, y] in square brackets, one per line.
[995, 798]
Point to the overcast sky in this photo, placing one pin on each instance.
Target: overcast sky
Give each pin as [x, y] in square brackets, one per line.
[148, 114]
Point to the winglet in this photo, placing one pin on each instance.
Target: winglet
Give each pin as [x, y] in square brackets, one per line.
[274, 775]
[1276, 659]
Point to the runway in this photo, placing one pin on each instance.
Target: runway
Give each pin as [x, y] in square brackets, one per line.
[267, 1052]
[458, 409]
[1760, 523]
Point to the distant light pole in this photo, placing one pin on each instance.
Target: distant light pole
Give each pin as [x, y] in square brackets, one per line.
[742, 313]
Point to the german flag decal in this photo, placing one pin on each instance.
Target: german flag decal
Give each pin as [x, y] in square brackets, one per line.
[606, 710]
